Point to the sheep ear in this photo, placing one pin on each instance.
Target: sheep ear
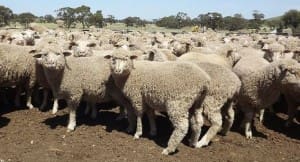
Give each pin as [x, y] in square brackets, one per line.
[32, 51]
[132, 57]
[107, 56]
[67, 53]
[92, 44]
[38, 55]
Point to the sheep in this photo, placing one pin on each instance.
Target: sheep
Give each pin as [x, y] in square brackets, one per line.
[160, 86]
[180, 47]
[262, 88]
[18, 68]
[82, 48]
[220, 99]
[228, 58]
[72, 80]
[24, 38]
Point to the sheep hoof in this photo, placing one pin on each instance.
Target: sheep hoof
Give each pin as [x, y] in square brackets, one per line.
[201, 144]
[137, 136]
[165, 152]
[30, 106]
[249, 135]
[70, 130]
[54, 112]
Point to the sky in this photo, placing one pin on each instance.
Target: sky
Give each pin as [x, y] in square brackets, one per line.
[154, 9]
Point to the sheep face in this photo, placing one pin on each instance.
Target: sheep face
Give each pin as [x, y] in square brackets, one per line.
[121, 62]
[179, 48]
[296, 56]
[52, 60]
[272, 56]
[291, 73]
[82, 48]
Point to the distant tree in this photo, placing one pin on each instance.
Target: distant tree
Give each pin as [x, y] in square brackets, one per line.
[212, 20]
[96, 19]
[236, 22]
[183, 20]
[129, 21]
[168, 22]
[6, 15]
[49, 18]
[82, 14]
[291, 18]
[257, 20]
[67, 14]
[26, 18]
[110, 19]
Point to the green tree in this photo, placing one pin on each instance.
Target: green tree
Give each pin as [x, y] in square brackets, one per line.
[257, 20]
[236, 22]
[82, 14]
[26, 18]
[96, 19]
[6, 15]
[67, 14]
[49, 18]
[291, 18]
[110, 19]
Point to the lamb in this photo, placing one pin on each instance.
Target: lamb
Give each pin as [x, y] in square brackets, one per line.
[18, 68]
[72, 80]
[262, 88]
[160, 86]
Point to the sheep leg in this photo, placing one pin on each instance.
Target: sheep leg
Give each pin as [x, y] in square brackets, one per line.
[72, 117]
[196, 122]
[228, 119]
[139, 127]
[55, 105]
[216, 124]
[28, 98]
[246, 124]
[261, 115]
[122, 114]
[152, 123]
[180, 122]
[94, 110]
[292, 111]
[17, 97]
[45, 99]
[87, 109]
[131, 121]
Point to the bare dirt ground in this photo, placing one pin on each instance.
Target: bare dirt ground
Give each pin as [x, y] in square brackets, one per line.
[32, 135]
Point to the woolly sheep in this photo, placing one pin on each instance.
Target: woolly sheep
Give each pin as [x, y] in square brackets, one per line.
[219, 101]
[69, 79]
[17, 68]
[262, 88]
[160, 86]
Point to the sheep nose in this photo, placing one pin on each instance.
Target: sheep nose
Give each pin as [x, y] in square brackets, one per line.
[118, 71]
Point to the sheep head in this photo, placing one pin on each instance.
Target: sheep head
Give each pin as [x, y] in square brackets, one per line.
[51, 57]
[121, 62]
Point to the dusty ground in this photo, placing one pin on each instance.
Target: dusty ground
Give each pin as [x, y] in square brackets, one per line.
[32, 135]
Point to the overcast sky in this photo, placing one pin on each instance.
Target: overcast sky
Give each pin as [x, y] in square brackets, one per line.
[153, 9]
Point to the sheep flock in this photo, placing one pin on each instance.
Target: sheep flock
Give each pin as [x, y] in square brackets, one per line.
[188, 77]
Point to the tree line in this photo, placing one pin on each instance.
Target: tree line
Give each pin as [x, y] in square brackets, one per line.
[214, 20]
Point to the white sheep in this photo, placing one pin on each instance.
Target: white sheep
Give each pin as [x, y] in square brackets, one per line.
[74, 79]
[262, 88]
[161, 86]
[18, 68]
